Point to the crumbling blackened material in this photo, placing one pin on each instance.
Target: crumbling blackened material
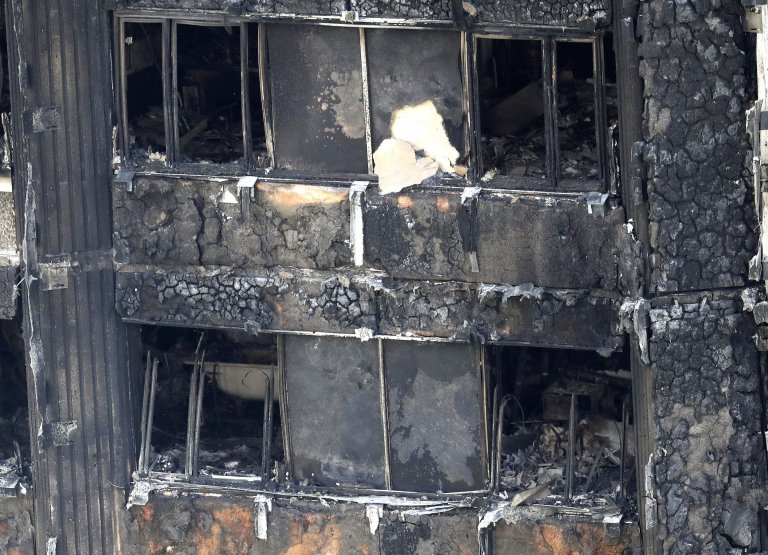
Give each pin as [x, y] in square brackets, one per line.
[299, 7]
[410, 9]
[573, 13]
[300, 300]
[692, 65]
[187, 222]
[709, 452]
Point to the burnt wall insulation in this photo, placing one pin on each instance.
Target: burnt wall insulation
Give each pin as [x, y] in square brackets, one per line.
[324, 302]
[76, 345]
[709, 458]
[696, 151]
[226, 525]
[559, 243]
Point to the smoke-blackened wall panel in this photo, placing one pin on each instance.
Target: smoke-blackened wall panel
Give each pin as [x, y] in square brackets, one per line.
[336, 433]
[435, 416]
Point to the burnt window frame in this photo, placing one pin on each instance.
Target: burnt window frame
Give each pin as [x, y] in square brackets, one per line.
[169, 70]
[553, 182]
[468, 40]
[173, 162]
[189, 471]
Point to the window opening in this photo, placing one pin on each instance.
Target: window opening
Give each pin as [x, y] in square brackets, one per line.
[208, 93]
[143, 70]
[542, 109]
[210, 415]
[512, 107]
[538, 434]
[15, 451]
[576, 118]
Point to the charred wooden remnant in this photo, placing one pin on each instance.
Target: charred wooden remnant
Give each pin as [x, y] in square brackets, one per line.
[410, 276]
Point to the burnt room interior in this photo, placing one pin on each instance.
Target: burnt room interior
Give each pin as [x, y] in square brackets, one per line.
[559, 420]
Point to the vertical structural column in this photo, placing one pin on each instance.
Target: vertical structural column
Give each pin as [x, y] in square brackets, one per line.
[77, 347]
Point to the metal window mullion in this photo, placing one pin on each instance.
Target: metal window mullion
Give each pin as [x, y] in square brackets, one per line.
[122, 92]
[285, 422]
[170, 86]
[472, 129]
[549, 55]
[366, 99]
[266, 94]
[484, 400]
[245, 96]
[601, 119]
[384, 407]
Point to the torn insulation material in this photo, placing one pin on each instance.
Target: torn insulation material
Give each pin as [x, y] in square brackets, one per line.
[374, 513]
[397, 167]
[422, 127]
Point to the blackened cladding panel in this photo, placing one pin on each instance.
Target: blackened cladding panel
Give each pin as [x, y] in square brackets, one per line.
[317, 99]
[410, 67]
[435, 416]
[333, 410]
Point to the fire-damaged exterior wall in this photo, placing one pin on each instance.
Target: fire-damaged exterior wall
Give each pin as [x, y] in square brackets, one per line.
[393, 450]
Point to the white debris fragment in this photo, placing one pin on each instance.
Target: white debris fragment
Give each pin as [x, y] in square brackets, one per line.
[263, 506]
[364, 334]
[469, 8]
[422, 126]
[50, 548]
[397, 167]
[470, 193]
[374, 514]
[140, 492]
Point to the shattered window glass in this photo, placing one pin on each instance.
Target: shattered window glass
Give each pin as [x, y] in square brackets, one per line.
[317, 99]
[512, 107]
[143, 51]
[209, 104]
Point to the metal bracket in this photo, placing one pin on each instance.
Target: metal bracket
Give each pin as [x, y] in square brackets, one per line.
[60, 434]
[43, 118]
[467, 221]
[356, 228]
[246, 190]
[55, 274]
[753, 20]
[349, 16]
[123, 181]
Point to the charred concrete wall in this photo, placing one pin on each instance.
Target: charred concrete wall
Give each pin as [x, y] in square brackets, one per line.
[196, 524]
[709, 462]
[283, 261]
[16, 525]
